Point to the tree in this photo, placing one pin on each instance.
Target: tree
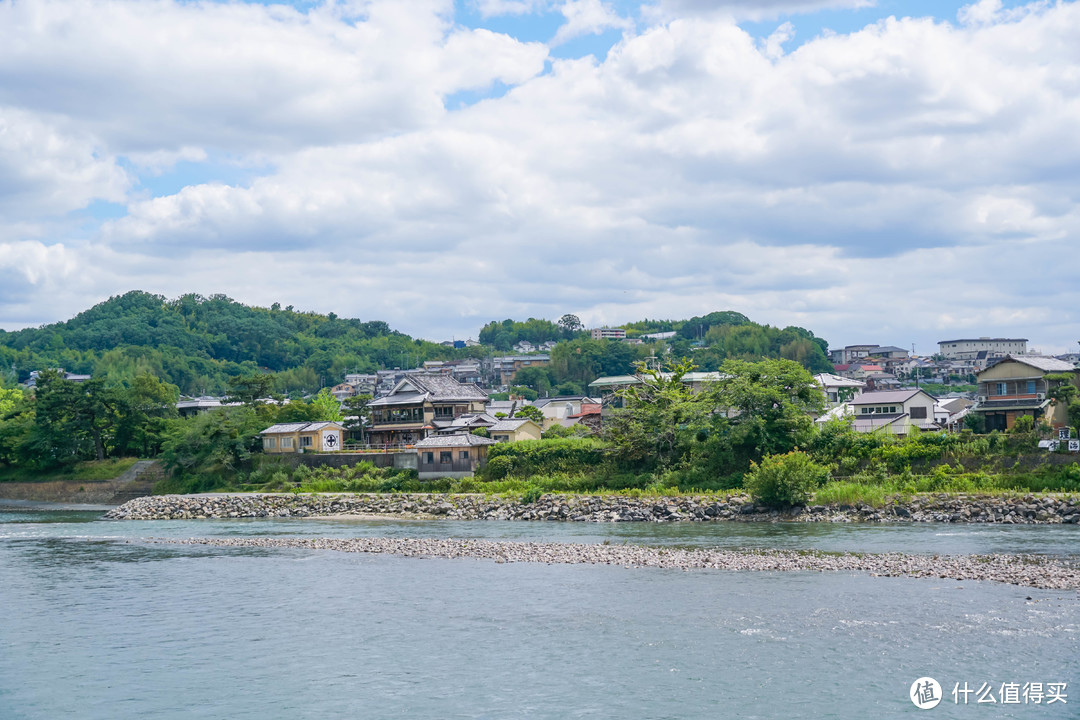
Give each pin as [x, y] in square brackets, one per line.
[530, 412]
[535, 377]
[784, 480]
[357, 412]
[660, 415]
[212, 444]
[570, 325]
[327, 407]
[249, 389]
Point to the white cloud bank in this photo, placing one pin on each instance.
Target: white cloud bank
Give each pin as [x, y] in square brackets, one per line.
[889, 185]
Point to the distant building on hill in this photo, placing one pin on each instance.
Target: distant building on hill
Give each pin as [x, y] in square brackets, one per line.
[606, 333]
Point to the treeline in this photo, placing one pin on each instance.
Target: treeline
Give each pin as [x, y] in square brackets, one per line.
[197, 343]
[200, 343]
[61, 423]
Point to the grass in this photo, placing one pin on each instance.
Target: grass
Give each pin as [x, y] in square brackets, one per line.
[87, 471]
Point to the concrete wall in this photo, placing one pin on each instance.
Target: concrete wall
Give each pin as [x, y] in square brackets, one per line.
[400, 460]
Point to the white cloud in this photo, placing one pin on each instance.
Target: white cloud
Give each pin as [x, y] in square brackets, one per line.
[911, 178]
[748, 9]
[49, 167]
[588, 17]
[159, 74]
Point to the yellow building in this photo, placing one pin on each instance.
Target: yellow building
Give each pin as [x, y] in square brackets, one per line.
[515, 429]
[317, 437]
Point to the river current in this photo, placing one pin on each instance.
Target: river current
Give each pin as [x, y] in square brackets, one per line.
[99, 623]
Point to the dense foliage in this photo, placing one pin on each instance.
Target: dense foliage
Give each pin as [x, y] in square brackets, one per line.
[785, 480]
[755, 409]
[198, 343]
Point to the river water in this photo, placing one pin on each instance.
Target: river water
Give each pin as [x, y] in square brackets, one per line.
[99, 623]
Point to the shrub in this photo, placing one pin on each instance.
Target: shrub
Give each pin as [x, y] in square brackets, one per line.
[539, 457]
[782, 480]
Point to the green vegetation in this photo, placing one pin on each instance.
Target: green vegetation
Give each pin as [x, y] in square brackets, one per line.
[785, 480]
[199, 343]
[85, 471]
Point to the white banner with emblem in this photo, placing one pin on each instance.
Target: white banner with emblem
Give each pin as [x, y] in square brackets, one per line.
[331, 440]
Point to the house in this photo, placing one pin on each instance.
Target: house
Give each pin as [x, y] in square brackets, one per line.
[969, 348]
[590, 416]
[469, 422]
[343, 390]
[606, 333]
[838, 389]
[949, 412]
[70, 377]
[502, 369]
[895, 412]
[524, 347]
[187, 406]
[302, 437]
[556, 409]
[1017, 386]
[453, 456]
[851, 353]
[420, 405]
[515, 429]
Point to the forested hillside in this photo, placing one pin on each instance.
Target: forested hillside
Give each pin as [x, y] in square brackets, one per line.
[197, 343]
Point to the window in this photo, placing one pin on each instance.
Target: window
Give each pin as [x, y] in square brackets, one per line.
[446, 456]
[1030, 387]
[1000, 387]
[270, 442]
[305, 441]
[286, 443]
[443, 412]
[429, 457]
[463, 455]
[918, 413]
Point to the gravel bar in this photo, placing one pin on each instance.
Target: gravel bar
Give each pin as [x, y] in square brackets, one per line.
[1024, 570]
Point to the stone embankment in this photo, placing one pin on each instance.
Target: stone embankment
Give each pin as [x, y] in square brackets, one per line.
[1017, 509]
[1027, 571]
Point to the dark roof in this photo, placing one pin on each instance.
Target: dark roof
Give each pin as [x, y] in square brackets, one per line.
[942, 342]
[444, 387]
[298, 427]
[463, 440]
[403, 398]
[509, 424]
[885, 396]
[1030, 404]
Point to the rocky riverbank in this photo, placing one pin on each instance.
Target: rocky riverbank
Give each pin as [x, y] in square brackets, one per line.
[1027, 571]
[945, 508]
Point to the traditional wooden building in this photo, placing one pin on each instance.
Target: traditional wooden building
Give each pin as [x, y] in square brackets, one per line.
[419, 405]
[453, 456]
[303, 437]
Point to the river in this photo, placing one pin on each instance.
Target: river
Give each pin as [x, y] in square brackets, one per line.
[100, 623]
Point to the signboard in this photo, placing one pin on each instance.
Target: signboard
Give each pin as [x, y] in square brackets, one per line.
[1074, 446]
[331, 440]
[1064, 433]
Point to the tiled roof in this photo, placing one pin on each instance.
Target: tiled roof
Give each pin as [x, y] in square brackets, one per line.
[1046, 364]
[509, 425]
[463, 440]
[885, 396]
[444, 387]
[830, 380]
[289, 428]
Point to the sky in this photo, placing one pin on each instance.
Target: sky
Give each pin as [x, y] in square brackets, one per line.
[876, 171]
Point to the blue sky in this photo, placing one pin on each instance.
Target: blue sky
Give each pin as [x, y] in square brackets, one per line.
[801, 161]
